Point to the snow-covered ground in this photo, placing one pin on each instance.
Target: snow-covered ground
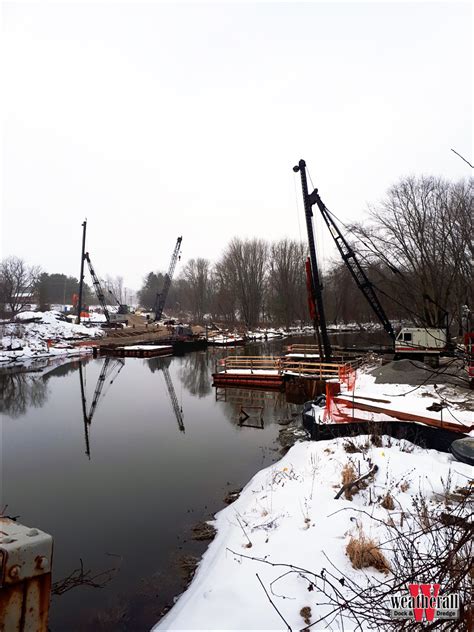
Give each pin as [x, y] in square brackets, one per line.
[288, 515]
[42, 334]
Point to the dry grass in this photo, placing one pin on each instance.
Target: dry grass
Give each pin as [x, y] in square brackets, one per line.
[351, 447]
[349, 475]
[376, 440]
[387, 502]
[306, 614]
[404, 486]
[364, 552]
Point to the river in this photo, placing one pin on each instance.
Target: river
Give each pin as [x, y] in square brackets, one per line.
[124, 490]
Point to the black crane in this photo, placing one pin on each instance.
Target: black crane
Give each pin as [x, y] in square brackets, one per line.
[317, 286]
[122, 308]
[161, 297]
[98, 288]
[349, 257]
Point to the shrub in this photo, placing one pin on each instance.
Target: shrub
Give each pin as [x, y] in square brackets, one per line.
[364, 552]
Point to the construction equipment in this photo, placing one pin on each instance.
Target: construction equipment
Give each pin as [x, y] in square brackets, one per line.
[112, 318]
[122, 308]
[161, 297]
[315, 286]
[414, 342]
[356, 270]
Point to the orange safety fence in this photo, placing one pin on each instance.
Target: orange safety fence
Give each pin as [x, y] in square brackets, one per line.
[334, 411]
[347, 376]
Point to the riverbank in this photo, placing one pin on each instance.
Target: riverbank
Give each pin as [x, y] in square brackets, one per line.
[284, 551]
[37, 335]
[287, 526]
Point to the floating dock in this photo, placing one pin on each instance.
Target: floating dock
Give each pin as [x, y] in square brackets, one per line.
[137, 351]
[273, 373]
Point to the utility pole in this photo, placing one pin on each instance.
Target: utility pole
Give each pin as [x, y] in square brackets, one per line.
[301, 167]
[81, 277]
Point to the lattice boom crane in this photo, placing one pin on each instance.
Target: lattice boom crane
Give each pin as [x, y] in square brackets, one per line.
[163, 295]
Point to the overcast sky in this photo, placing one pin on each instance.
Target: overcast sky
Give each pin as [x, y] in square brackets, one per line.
[156, 120]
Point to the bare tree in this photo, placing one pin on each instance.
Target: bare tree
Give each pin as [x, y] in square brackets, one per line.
[246, 261]
[423, 233]
[286, 282]
[18, 283]
[114, 286]
[197, 274]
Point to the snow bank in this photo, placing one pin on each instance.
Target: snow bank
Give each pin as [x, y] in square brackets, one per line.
[42, 334]
[287, 514]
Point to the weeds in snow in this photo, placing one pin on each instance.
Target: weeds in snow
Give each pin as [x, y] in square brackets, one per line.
[388, 502]
[364, 552]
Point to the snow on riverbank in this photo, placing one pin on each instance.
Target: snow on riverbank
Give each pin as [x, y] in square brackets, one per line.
[287, 515]
[42, 334]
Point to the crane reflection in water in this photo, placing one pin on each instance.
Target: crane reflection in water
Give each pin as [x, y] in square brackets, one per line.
[162, 364]
[110, 370]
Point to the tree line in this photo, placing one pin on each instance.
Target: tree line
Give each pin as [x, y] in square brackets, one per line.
[416, 246]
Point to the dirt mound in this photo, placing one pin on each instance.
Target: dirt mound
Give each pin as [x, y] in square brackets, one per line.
[415, 373]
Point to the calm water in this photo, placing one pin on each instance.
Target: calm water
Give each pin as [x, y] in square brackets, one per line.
[148, 478]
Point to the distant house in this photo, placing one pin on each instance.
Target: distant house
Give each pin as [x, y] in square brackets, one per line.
[27, 300]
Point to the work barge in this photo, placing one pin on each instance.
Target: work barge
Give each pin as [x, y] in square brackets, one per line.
[299, 373]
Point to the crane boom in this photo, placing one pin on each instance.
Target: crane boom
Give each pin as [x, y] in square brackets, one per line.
[98, 288]
[351, 261]
[161, 297]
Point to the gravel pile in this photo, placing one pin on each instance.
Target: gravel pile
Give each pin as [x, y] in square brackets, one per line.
[415, 373]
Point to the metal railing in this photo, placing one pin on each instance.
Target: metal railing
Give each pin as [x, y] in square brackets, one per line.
[284, 365]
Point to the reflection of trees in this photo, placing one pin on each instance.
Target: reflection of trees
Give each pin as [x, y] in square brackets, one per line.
[157, 364]
[195, 374]
[19, 391]
[65, 369]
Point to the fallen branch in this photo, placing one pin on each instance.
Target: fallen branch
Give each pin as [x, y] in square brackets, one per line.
[79, 577]
[352, 484]
[269, 599]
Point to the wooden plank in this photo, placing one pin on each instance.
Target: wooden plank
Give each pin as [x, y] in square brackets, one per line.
[402, 416]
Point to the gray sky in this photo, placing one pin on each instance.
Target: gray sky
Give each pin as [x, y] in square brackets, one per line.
[155, 120]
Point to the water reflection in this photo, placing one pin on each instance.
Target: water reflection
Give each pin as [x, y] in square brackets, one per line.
[195, 373]
[19, 391]
[162, 364]
[253, 408]
[110, 370]
[158, 363]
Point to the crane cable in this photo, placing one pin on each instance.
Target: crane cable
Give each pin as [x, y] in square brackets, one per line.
[367, 262]
[320, 252]
[297, 207]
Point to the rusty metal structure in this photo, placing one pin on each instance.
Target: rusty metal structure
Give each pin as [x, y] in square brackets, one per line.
[25, 577]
